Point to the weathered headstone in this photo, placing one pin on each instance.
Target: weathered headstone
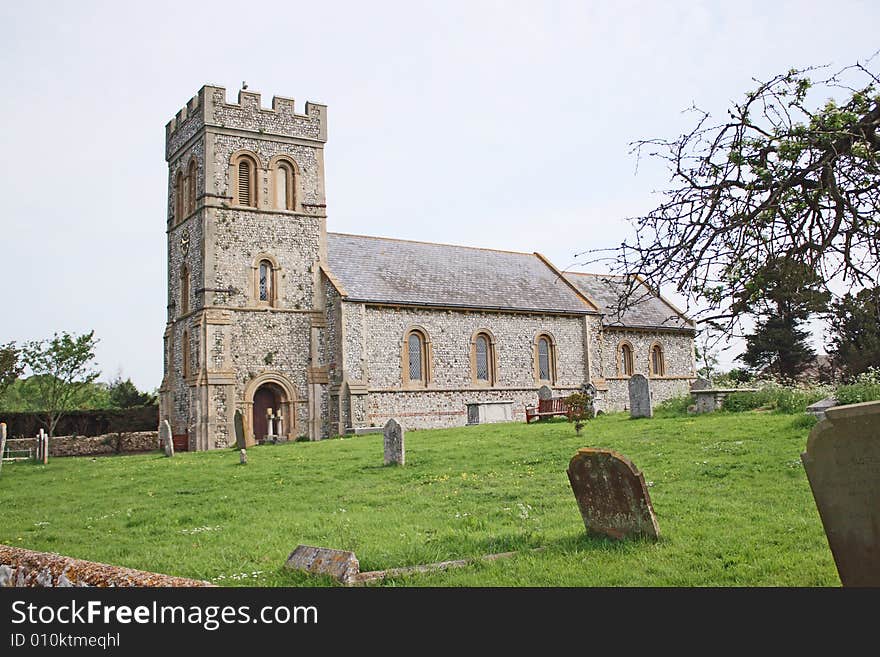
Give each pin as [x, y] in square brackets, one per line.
[2, 442]
[545, 392]
[701, 384]
[818, 408]
[239, 430]
[640, 397]
[45, 451]
[339, 564]
[165, 438]
[395, 451]
[842, 461]
[611, 495]
[242, 456]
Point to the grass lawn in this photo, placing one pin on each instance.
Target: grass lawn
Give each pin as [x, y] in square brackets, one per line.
[731, 497]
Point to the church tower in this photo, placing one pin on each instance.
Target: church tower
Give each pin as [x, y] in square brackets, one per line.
[246, 244]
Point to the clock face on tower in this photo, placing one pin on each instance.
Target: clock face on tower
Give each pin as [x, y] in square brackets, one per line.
[184, 244]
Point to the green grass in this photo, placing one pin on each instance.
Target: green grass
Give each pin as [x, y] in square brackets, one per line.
[731, 498]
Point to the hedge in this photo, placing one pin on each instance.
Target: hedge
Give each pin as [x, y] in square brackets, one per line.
[85, 423]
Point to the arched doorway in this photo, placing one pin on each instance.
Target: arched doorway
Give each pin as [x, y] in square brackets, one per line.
[267, 413]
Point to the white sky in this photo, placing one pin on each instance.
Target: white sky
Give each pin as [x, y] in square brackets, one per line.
[500, 124]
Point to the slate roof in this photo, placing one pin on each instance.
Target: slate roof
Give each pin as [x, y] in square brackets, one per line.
[643, 309]
[380, 269]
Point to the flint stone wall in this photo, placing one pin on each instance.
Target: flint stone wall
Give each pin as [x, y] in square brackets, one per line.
[139, 441]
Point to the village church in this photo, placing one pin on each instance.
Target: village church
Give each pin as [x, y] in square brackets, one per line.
[313, 334]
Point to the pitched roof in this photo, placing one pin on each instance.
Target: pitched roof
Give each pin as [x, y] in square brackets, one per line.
[642, 308]
[383, 270]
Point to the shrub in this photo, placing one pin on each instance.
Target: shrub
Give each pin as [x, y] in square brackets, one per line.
[775, 397]
[674, 406]
[865, 387]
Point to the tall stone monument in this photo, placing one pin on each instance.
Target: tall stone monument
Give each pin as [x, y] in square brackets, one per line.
[395, 451]
[165, 438]
[640, 403]
[842, 461]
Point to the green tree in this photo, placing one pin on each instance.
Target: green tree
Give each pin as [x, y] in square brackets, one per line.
[11, 366]
[785, 173]
[580, 407]
[855, 331]
[62, 371]
[782, 295]
[124, 394]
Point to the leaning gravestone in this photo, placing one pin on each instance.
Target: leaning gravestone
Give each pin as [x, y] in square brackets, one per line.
[701, 384]
[843, 466]
[611, 495]
[2, 442]
[239, 431]
[545, 392]
[165, 438]
[640, 397]
[339, 564]
[395, 451]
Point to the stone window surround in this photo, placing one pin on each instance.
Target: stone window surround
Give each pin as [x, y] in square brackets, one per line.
[294, 195]
[185, 194]
[651, 373]
[491, 357]
[274, 286]
[184, 291]
[551, 341]
[254, 165]
[621, 369]
[427, 358]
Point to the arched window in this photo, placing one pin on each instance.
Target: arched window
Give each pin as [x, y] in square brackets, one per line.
[545, 359]
[245, 188]
[625, 356]
[483, 359]
[185, 354]
[265, 282]
[184, 290]
[178, 197]
[417, 368]
[191, 179]
[658, 367]
[285, 187]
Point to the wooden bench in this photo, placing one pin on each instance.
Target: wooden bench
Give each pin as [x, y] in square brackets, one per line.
[547, 408]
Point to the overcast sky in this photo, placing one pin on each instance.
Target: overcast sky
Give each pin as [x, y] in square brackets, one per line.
[499, 124]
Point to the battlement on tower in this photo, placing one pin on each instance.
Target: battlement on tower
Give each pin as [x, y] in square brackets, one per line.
[209, 108]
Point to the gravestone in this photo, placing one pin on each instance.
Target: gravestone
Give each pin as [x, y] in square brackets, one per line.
[2, 442]
[545, 392]
[339, 564]
[818, 409]
[842, 461]
[395, 452]
[165, 438]
[701, 384]
[239, 431]
[611, 495]
[640, 397]
[242, 456]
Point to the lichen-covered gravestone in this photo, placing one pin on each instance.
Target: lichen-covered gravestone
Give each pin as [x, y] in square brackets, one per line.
[843, 466]
[611, 495]
[701, 384]
[395, 452]
[640, 397]
[165, 438]
[545, 392]
[342, 565]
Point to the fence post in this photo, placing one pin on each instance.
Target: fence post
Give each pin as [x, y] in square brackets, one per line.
[2, 443]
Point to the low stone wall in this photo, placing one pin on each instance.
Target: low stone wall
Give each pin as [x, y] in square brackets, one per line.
[110, 443]
[26, 568]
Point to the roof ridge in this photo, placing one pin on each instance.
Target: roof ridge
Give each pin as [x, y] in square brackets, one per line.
[458, 246]
[589, 273]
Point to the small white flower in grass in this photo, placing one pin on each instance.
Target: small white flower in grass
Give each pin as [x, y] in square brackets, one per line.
[42, 523]
[649, 484]
[199, 530]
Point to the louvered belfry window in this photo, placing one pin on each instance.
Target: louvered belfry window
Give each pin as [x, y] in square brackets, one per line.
[244, 183]
[191, 176]
[544, 359]
[482, 349]
[265, 281]
[414, 351]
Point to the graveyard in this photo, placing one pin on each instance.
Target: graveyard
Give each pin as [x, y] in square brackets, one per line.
[731, 498]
